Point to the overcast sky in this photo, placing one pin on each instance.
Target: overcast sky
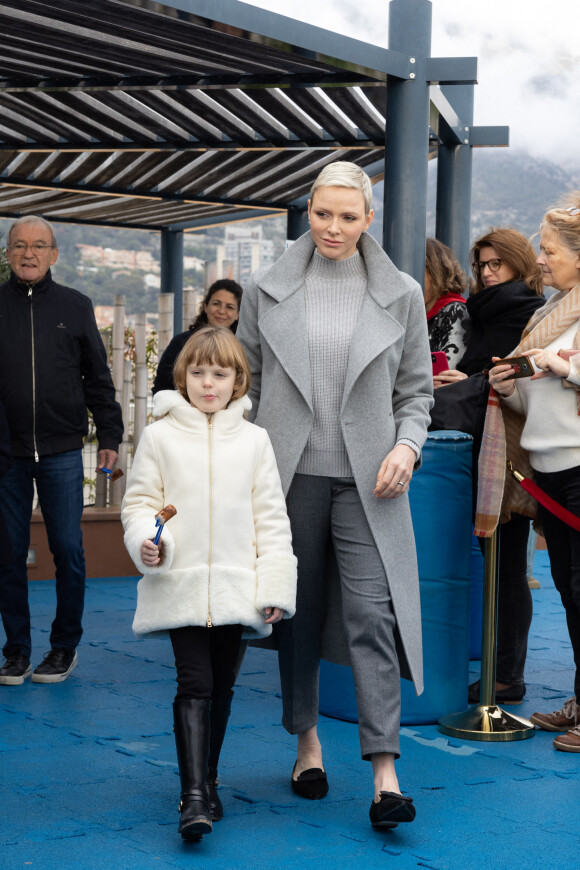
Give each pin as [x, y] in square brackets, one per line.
[528, 50]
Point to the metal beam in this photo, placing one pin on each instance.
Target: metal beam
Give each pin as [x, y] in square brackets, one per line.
[454, 163]
[451, 70]
[191, 82]
[485, 137]
[172, 273]
[294, 37]
[407, 141]
[219, 220]
[151, 195]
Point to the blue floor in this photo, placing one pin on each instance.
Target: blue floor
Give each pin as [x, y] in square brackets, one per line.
[88, 773]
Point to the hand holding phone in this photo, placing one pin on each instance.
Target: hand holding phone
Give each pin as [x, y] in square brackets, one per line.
[439, 362]
[522, 365]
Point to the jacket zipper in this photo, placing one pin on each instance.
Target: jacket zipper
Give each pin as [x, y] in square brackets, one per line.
[210, 445]
[33, 375]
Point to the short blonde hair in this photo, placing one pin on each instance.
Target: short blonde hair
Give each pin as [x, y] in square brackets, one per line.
[564, 219]
[341, 173]
[213, 346]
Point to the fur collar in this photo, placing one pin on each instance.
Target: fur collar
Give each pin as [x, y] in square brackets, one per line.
[171, 404]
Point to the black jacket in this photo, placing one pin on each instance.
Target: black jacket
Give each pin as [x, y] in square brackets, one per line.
[497, 317]
[164, 374]
[53, 366]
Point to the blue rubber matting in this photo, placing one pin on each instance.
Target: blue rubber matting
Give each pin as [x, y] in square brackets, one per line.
[89, 779]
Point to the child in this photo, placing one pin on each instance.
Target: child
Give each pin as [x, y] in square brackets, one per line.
[224, 567]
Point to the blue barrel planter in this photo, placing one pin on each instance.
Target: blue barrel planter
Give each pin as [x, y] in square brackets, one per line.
[440, 498]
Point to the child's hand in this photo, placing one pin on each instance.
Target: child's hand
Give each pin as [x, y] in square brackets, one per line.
[272, 614]
[151, 553]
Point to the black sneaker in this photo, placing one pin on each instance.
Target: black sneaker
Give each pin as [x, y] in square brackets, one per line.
[56, 666]
[15, 669]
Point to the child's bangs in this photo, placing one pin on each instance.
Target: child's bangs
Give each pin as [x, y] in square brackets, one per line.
[214, 350]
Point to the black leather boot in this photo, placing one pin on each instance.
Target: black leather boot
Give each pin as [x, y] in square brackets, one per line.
[191, 725]
[218, 716]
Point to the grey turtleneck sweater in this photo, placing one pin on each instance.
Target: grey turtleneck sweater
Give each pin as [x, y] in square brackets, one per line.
[334, 295]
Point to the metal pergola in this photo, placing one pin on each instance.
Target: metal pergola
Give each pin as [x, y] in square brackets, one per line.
[176, 115]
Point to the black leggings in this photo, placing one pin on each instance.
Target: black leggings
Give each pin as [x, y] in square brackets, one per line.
[564, 550]
[205, 659]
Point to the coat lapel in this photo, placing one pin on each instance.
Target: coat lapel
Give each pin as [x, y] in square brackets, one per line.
[285, 330]
[284, 325]
[375, 328]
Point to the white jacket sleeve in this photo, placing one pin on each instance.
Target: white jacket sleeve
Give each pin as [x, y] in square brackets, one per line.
[144, 497]
[276, 563]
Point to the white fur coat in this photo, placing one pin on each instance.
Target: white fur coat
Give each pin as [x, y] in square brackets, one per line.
[227, 554]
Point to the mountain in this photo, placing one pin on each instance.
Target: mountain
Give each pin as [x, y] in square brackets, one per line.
[510, 188]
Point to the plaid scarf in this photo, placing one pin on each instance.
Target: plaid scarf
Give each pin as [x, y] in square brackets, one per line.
[497, 496]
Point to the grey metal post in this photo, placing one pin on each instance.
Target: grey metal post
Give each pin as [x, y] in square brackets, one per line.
[407, 140]
[453, 220]
[297, 223]
[172, 272]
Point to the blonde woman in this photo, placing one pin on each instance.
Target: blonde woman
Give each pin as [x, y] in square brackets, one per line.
[337, 342]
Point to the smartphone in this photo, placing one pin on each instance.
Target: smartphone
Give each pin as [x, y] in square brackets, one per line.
[522, 365]
[439, 362]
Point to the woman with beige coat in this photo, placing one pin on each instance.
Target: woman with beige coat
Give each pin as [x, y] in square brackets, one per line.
[341, 378]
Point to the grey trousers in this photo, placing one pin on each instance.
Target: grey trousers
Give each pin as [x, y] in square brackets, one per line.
[323, 509]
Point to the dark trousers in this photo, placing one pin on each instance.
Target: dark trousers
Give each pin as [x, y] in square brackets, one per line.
[205, 659]
[564, 550]
[515, 608]
[319, 508]
[59, 483]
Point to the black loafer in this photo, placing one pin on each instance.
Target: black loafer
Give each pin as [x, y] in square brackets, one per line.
[511, 695]
[392, 809]
[311, 784]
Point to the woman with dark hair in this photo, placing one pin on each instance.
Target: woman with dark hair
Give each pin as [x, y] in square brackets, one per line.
[508, 290]
[220, 307]
[445, 288]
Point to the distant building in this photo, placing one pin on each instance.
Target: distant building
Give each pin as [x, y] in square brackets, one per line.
[193, 263]
[244, 250]
[135, 261]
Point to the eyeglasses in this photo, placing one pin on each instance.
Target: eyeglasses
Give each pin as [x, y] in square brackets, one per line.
[493, 264]
[573, 211]
[36, 248]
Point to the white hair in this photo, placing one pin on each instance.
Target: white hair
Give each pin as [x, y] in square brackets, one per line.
[33, 219]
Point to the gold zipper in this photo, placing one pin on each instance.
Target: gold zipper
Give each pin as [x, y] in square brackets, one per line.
[210, 446]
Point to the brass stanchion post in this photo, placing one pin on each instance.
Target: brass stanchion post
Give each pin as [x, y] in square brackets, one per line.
[487, 721]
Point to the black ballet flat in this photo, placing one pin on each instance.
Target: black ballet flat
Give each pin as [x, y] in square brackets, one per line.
[511, 695]
[392, 809]
[311, 784]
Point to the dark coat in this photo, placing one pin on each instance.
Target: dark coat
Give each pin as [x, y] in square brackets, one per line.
[53, 367]
[497, 317]
[164, 373]
[6, 555]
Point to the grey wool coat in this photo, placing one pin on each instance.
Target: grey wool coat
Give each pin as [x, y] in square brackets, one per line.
[387, 396]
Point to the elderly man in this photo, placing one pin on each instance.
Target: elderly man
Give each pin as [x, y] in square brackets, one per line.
[53, 367]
